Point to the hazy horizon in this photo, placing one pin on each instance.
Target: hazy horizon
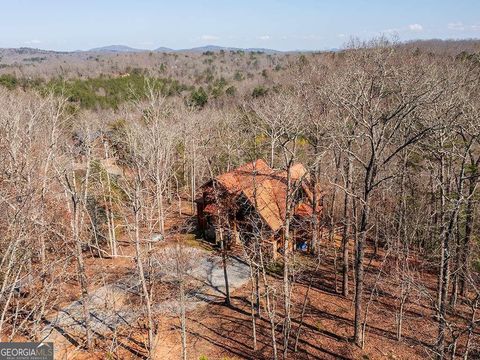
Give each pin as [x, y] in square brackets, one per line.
[273, 24]
[103, 47]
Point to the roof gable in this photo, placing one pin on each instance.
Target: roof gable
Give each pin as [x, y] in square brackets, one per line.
[264, 188]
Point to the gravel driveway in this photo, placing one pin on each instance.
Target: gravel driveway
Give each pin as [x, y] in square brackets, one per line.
[110, 305]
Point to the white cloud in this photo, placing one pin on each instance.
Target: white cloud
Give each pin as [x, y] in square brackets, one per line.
[415, 27]
[459, 26]
[209, 37]
[264, 37]
[397, 31]
[33, 42]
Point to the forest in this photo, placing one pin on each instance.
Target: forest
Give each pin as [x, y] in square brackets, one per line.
[103, 157]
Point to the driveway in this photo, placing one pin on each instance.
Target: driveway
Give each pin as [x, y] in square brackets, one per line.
[111, 307]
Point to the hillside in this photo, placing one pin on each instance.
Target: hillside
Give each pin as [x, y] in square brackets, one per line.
[225, 203]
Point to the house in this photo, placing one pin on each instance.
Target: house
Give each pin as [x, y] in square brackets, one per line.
[251, 201]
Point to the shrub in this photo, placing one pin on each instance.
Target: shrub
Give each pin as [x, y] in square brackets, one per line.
[9, 81]
[231, 91]
[198, 98]
[238, 76]
[259, 91]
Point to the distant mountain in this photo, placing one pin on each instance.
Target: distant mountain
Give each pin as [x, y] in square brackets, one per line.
[111, 49]
[452, 47]
[164, 49]
[32, 51]
[200, 49]
[215, 48]
[116, 48]
[263, 50]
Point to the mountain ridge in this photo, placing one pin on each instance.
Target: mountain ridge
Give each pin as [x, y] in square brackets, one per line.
[198, 49]
[115, 48]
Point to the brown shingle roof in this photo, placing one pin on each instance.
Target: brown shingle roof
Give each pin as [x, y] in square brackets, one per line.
[265, 198]
[245, 176]
[264, 188]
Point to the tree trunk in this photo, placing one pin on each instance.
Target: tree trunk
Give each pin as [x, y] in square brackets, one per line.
[141, 272]
[193, 177]
[81, 269]
[269, 308]
[346, 226]
[331, 230]
[468, 234]
[224, 264]
[183, 319]
[315, 225]
[286, 265]
[253, 296]
[441, 219]
[359, 255]
[445, 265]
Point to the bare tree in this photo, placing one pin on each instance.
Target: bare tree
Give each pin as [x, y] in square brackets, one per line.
[382, 132]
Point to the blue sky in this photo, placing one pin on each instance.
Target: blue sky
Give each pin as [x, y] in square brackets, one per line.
[277, 24]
